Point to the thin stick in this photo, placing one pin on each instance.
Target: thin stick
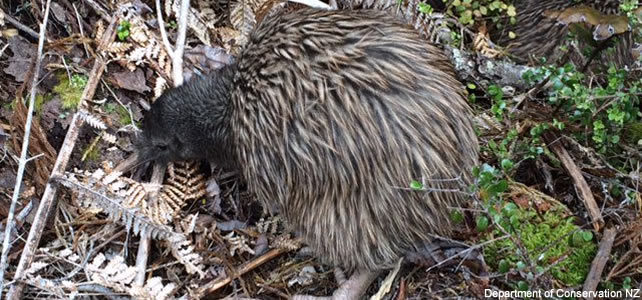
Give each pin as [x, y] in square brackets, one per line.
[602, 256]
[177, 58]
[48, 197]
[161, 26]
[23, 27]
[82, 33]
[216, 284]
[3, 49]
[25, 149]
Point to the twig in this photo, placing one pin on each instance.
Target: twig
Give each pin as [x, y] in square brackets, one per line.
[161, 26]
[82, 33]
[602, 256]
[146, 239]
[177, 58]
[177, 53]
[3, 49]
[216, 284]
[584, 191]
[313, 3]
[22, 27]
[25, 149]
[48, 196]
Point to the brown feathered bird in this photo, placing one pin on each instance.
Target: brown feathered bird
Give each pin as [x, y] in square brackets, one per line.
[540, 36]
[329, 115]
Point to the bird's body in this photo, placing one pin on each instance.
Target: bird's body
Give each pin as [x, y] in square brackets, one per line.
[330, 115]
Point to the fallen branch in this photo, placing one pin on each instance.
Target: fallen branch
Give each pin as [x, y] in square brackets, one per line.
[582, 188]
[25, 149]
[602, 256]
[48, 197]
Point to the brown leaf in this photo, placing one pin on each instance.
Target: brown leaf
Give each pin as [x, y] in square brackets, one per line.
[133, 81]
[19, 63]
[521, 201]
[58, 12]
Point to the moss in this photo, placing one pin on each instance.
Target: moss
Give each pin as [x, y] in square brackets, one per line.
[123, 115]
[70, 90]
[41, 100]
[120, 111]
[549, 233]
[633, 132]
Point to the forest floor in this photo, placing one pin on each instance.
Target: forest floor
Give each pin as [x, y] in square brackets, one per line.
[556, 203]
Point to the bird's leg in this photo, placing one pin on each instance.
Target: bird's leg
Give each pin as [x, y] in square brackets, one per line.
[353, 288]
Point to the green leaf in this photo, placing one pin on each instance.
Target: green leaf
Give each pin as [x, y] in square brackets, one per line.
[416, 185]
[509, 209]
[504, 266]
[457, 217]
[507, 164]
[482, 223]
[587, 235]
[498, 188]
[425, 8]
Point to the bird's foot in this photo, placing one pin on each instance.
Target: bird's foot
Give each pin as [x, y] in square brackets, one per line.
[350, 289]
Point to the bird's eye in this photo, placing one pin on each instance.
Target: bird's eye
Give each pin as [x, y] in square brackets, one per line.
[161, 147]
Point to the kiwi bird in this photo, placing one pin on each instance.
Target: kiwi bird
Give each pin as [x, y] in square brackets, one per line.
[328, 116]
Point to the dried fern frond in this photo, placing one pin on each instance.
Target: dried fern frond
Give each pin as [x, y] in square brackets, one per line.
[118, 48]
[238, 243]
[269, 225]
[183, 251]
[159, 86]
[100, 30]
[118, 276]
[185, 178]
[195, 21]
[243, 19]
[108, 137]
[286, 242]
[111, 199]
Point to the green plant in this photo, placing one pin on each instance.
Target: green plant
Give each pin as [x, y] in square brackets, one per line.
[468, 10]
[497, 97]
[425, 8]
[122, 112]
[123, 30]
[552, 242]
[70, 89]
[603, 110]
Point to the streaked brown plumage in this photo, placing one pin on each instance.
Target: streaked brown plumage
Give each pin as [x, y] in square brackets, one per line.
[540, 36]
[330, 115]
